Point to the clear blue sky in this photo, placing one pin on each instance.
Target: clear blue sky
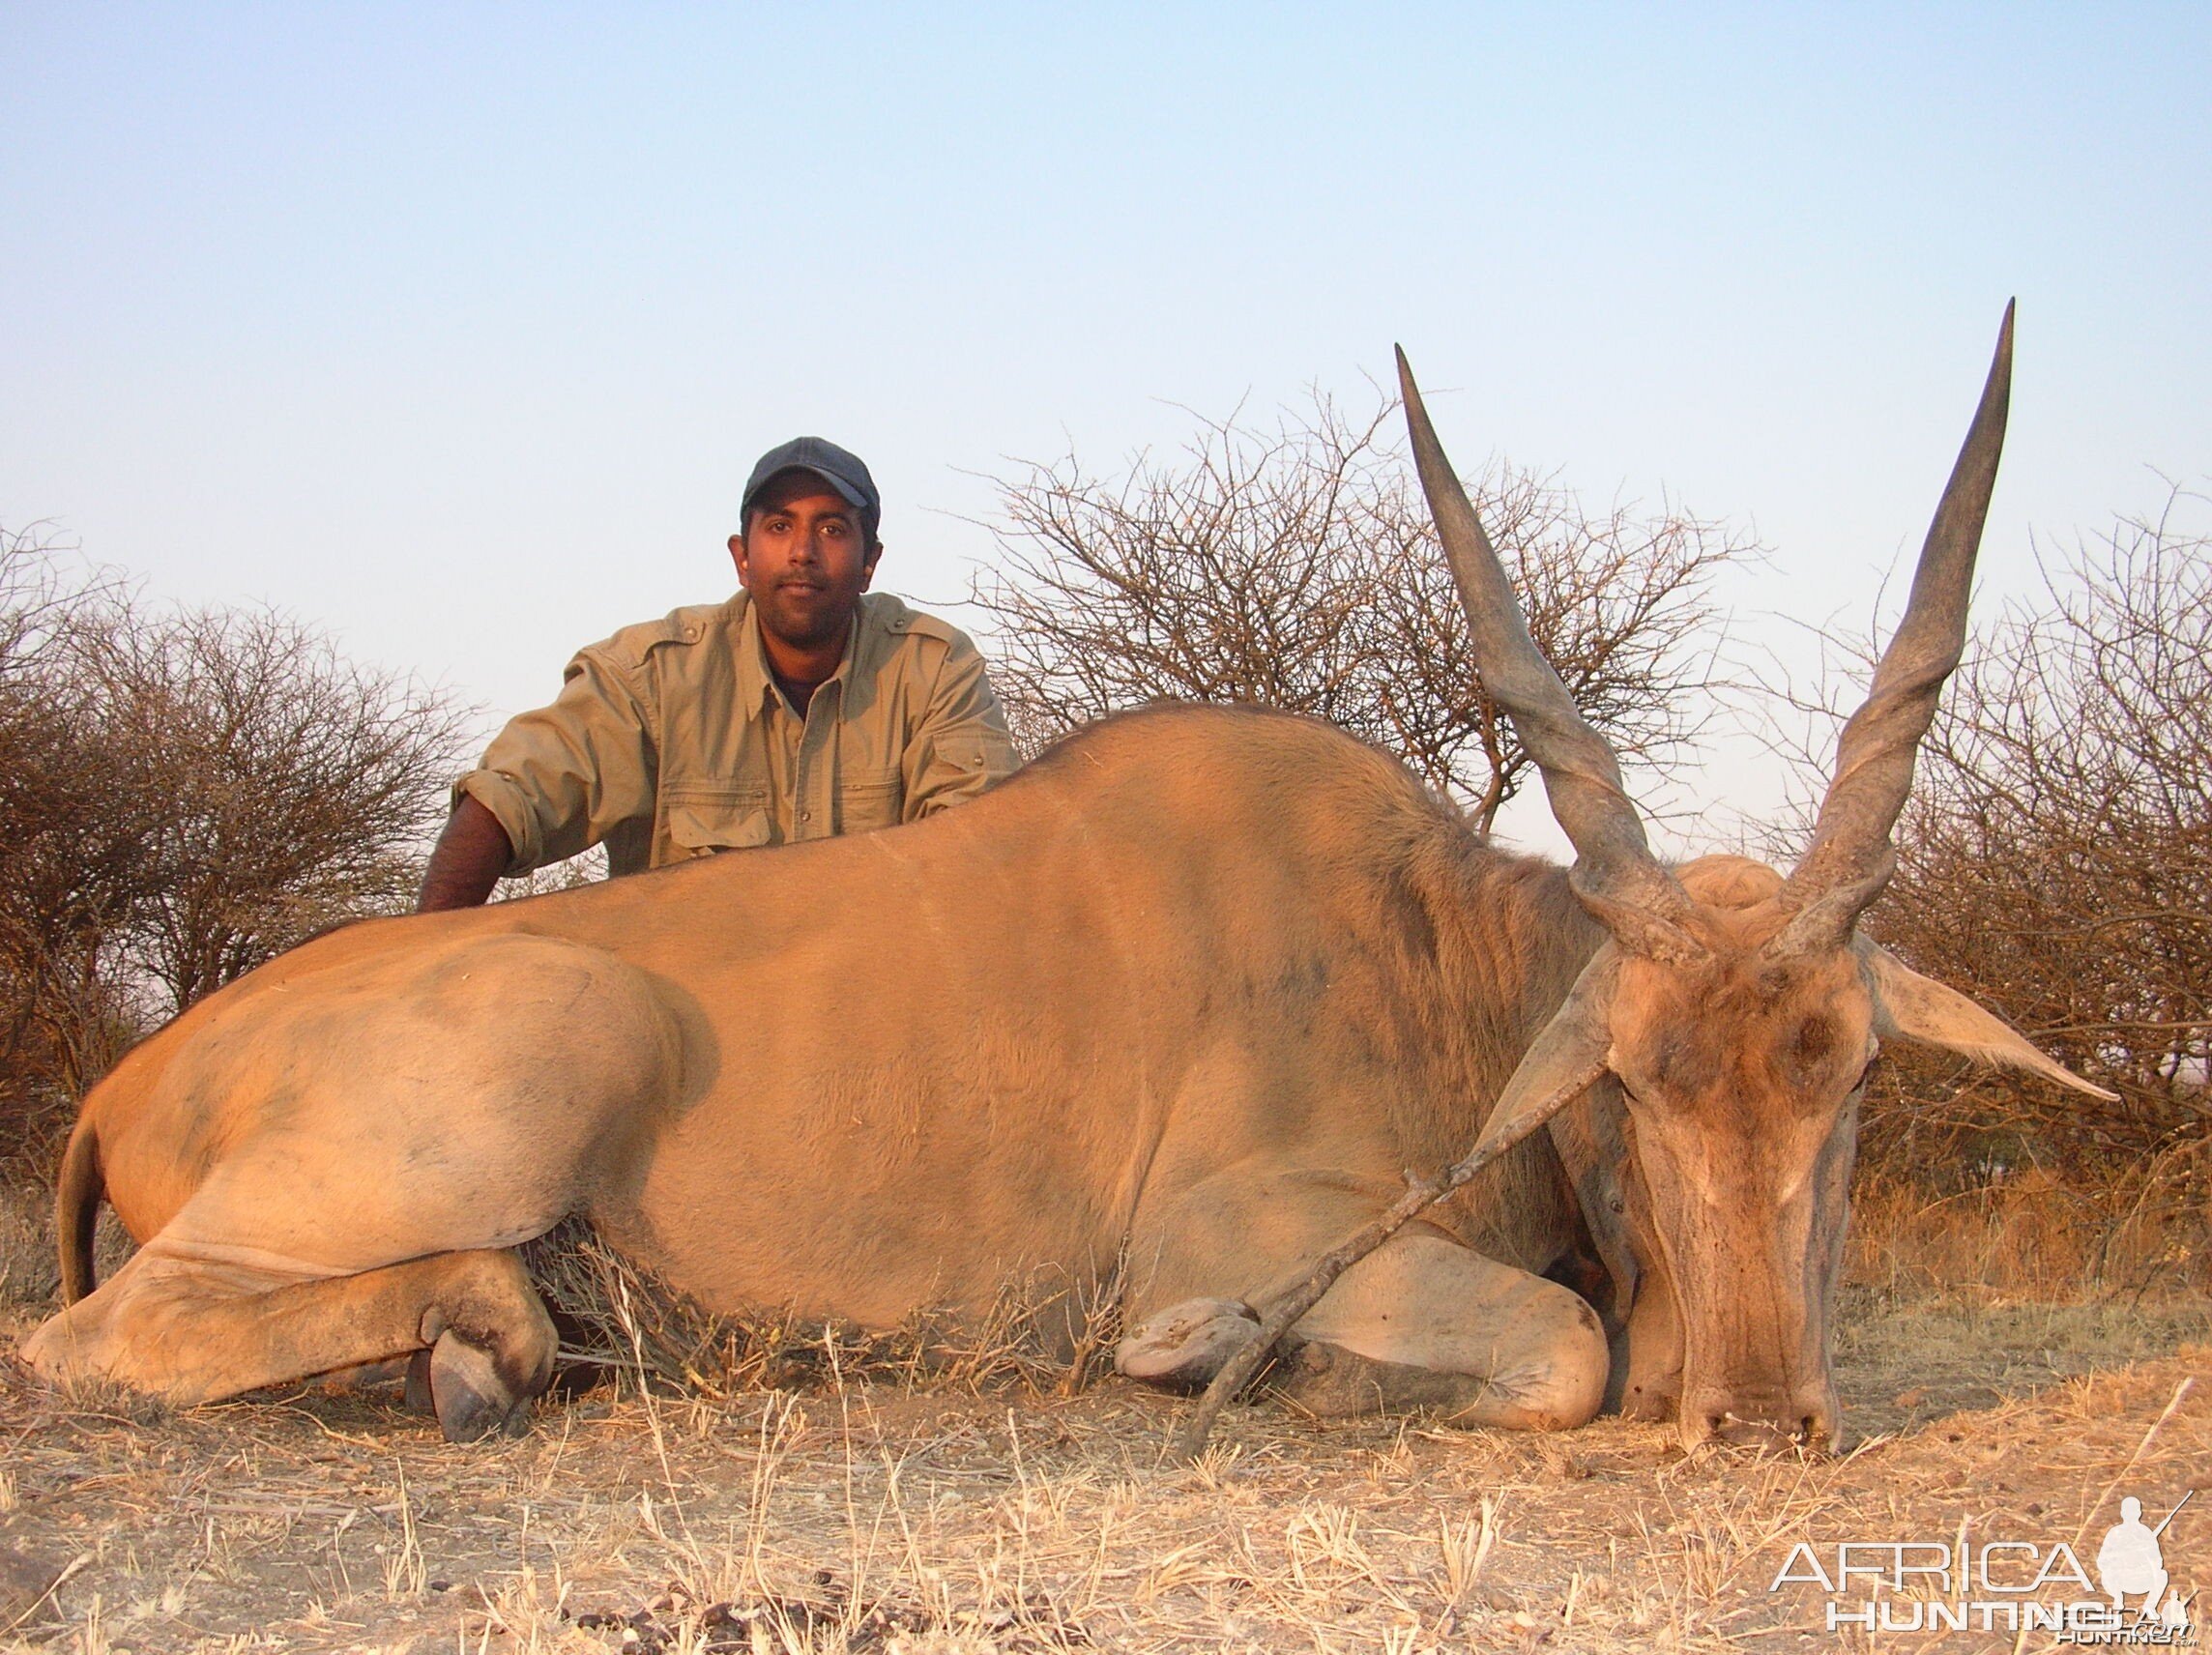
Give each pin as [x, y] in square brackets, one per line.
[457, 328]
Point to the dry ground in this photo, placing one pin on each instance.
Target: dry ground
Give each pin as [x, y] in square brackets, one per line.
[875, 1516]
[933, 1518]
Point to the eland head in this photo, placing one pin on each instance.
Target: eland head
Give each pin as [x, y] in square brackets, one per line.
[1730, 1020]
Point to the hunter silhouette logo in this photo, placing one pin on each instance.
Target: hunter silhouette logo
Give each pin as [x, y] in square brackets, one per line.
[1998, 1582]
[2131, 1561]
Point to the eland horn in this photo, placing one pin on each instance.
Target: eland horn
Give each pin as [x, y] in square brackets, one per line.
[1851, 857]
[1615, 874]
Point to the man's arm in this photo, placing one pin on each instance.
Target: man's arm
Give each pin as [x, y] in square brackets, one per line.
[471, 855]
[552, 782]
[962, 746]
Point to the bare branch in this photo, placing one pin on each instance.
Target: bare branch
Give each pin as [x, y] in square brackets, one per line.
[1297, 568]
[2055, 862]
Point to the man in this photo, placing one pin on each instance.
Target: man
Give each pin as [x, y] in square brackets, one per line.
[798, 709]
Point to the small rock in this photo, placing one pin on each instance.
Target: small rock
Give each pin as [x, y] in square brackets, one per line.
[1913, 1398]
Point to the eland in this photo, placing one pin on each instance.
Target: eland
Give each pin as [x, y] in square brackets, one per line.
[1186, 998]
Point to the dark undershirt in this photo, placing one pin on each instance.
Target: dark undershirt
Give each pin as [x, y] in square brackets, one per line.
[797, 693]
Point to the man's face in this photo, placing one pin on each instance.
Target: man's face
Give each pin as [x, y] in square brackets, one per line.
[805, 558]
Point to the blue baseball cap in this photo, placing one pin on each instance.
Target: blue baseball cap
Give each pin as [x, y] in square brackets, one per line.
[840, 468]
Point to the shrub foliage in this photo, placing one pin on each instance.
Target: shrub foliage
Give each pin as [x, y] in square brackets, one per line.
[183, 794]
[2055, 862]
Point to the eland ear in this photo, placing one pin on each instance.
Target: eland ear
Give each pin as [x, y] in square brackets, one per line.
[1563, 1061]
[1912, 1007]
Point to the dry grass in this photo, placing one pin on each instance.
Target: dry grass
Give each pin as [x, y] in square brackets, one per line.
[2030, 1234]
[29, 1271]
[621, 1325]
[917, 1496]
[855, 1518]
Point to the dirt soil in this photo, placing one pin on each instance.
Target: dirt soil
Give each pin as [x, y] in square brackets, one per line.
[872, 1518]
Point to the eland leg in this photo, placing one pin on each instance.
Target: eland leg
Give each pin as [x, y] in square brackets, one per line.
[1422, 1321]
[1647, 1360]
[374, 1148]
[192, 1331]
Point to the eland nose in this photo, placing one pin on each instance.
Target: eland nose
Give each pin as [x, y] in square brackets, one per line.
[1770, 1422]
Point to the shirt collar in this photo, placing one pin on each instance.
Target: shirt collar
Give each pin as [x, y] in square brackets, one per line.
[756, 685]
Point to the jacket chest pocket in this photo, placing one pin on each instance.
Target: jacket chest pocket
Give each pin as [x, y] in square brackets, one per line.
[869, 800]
[702, 820]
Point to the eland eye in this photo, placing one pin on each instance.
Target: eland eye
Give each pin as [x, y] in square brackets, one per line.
[1816, 1039]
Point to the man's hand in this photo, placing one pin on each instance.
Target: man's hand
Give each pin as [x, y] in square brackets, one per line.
[471, 855]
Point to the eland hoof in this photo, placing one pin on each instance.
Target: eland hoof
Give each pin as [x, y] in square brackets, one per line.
[471, 1399]
[1186, 1344]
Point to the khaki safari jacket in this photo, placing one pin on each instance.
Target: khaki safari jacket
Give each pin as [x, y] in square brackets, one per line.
[671, 741]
